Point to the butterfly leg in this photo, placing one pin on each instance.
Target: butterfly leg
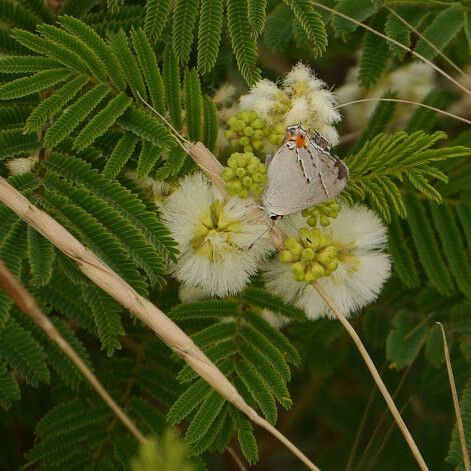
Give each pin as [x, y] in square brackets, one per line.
[315, 162]
[300, 160]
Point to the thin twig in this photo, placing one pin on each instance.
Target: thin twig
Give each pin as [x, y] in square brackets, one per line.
[385, 438]
[456, 402]
[408, 102]
[26, 303]
[372, 437]
[374, 372]
[430, 43]
[393, 41]
[108, 280]
[360, 429]
[236, 458]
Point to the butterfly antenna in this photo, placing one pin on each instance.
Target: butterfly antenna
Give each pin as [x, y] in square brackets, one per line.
[180, 139]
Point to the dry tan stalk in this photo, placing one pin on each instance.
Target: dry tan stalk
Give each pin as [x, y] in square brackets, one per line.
[26, 303]
[154, 318]
[276, 238]
[456, 402]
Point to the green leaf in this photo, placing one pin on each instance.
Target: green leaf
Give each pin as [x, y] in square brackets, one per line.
[75, 114]
[434, 347]
[204, 417]
[193, 105]
[188, 401]
[28, 85]
[403, 260]
[243, 43]
[210, 123]
[120, 155]
[171, 77]
[359, 10]
[184, 20]
[247, 441]
[53, 104]
[9, 391]
[144, 125]
[5, 306]
[209, 33]
[453, 246]
[25, 64]
[148, 63]
[157, 12]
[464, 214]
[106, 312]
[211, 309]
[405, 340]
[374, 60]
[398, 30]
[427, 247]
[467, 28]
[312, 24]
[100, 47]
[41, 255]
[207, 439]
[148, 157]
[102, 121]
[257, 13]
[14, 142]
[445, 26]
[127, 204]
[455, 455]
[19, 349]
[76, 46]
[120, 47]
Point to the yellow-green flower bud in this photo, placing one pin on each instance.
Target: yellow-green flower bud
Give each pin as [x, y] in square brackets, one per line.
[248, 131]
[298, 268]
[247, 181]
[286, 256]
[240, 172]
[307, 254]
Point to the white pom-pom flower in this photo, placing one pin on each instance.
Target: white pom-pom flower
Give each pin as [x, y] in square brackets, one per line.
[303, 99]
[220, 242]
[362, 270]
[22, 165]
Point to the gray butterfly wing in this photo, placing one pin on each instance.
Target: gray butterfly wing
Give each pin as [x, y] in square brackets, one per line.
[300, 178]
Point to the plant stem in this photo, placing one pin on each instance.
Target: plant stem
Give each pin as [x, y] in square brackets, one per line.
[456, 403]
[374, 372]
[110, 282]
[27, 304]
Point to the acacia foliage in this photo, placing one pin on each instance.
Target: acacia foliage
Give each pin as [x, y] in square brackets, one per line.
[71, 90]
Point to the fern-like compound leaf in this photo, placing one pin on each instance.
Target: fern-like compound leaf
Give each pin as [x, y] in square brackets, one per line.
[28, 85]
[184, 21]
[102, 121]
[157, 12]
[171, 77]
[75, 114]
[243, 43]
[209, 34]
[193, 105]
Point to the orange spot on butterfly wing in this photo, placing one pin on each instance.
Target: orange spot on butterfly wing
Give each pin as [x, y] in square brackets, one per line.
[300, 141]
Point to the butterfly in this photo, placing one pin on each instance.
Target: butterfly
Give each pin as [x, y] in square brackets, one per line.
[302, 173]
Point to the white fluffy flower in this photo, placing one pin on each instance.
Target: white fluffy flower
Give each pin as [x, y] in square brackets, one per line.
[22, 165]
[302, 99]
[410, 82]
[158, 190]
[363, 266]
[220, 242]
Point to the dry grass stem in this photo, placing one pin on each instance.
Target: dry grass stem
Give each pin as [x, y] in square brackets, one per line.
[108, 280]
[456, 402]
[408, 102]
[393, 41]
[26, 303]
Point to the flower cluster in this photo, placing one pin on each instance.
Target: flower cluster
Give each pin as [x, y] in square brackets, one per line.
[312, 255]
[362, 268]
[220, 241]
[245, 174]
[22, 164]
[247, 131]
[157, 190]
[322, 212]
[303, 99]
